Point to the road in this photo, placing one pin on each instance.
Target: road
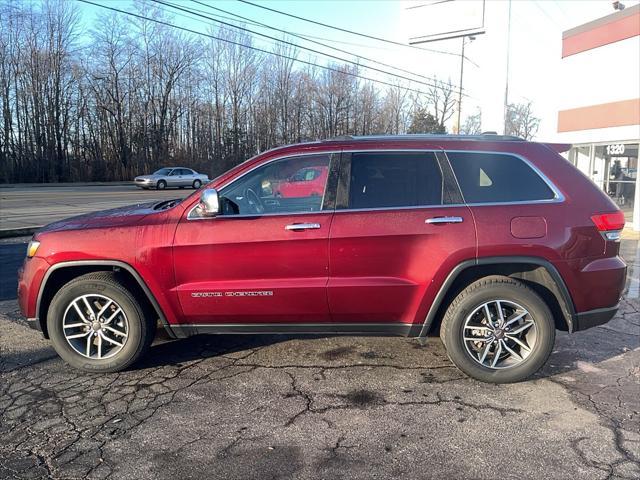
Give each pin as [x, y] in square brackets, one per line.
[32, 206]
[267, 407]
[11, 257]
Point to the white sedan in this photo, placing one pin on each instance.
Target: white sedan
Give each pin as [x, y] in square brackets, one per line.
[172, 177]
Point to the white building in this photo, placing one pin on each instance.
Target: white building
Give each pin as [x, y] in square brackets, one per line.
[600, 108]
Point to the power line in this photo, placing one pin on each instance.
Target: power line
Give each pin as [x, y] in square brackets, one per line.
[313, 41]
[371, 37]
[304, 36]
[318, 52]
[323, 67]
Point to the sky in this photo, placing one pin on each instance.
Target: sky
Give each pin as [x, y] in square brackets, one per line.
[534, 53]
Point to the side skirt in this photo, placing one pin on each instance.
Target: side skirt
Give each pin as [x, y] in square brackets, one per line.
[360, 329]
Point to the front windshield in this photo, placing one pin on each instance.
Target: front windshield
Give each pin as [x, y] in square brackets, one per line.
[162, 171]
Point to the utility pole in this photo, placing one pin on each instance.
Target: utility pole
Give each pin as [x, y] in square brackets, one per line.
[472, 12]
[462, 58]
[506, 88]
[460, 84]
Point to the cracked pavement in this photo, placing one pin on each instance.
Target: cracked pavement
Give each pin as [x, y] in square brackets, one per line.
[268, 407]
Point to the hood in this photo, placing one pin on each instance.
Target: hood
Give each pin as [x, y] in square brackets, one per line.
[116, 217]
[151, 176]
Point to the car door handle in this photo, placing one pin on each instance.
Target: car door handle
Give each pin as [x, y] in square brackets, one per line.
[302, 226]
[438, 220]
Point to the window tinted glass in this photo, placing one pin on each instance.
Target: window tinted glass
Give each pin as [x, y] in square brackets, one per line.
[394, 179]
[283, 186]
[185, 171]
[162, 171]
[491, 177]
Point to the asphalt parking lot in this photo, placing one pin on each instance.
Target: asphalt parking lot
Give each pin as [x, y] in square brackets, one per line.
[251, 407]
[28, 206]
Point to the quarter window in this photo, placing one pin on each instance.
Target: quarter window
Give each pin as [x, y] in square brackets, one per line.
[394, 179]
[291, 185]
[497, 178]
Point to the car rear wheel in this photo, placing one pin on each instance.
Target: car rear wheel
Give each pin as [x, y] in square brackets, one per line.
[97, 325]
[161, 185]
[498, 330]
[197, 184]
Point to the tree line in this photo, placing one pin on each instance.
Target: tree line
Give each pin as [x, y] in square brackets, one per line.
[129, 95]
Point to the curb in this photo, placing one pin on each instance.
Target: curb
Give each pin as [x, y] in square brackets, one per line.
[19, 232]
[630, 234]
[65, 184]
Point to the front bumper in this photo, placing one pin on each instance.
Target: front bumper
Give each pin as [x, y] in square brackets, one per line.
[144, 183]
[593, 318]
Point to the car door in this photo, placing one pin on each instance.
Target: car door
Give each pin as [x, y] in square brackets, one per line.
[179, 180]
[187, 177]
[172, 178]
[400, 227]
[264, 259]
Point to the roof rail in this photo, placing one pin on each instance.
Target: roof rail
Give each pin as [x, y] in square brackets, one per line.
[487, 137]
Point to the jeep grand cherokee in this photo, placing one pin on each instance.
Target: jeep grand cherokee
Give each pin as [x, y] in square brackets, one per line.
[490, 241]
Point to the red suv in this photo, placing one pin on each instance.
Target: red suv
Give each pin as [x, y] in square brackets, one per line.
[493, 242]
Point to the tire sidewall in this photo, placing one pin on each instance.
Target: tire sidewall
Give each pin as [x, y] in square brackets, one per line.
[161, 185]
[134, 315]
[196, 184]
[526, 298]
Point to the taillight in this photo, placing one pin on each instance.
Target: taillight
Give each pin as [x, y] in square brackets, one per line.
[609, 224]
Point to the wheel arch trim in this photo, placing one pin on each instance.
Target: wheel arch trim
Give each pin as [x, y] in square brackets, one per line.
[564, 298]
[105, 263]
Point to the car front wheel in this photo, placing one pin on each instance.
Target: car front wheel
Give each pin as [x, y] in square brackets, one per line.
[498, 330]
[97, 325]
[161, 185]
[197, 184]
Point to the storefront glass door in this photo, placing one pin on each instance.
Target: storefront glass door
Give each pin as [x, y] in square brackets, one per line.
[619, 165]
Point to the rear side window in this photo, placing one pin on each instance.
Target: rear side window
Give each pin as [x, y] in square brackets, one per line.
[394, 179]
[493, 177]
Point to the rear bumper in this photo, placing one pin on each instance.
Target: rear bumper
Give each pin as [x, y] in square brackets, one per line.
[593, 318]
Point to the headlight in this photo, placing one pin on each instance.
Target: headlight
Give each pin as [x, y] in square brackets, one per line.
[32, 248]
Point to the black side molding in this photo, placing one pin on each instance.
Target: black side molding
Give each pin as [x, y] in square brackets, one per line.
[360, 329]
[565, 300]
[34, 323]
[103, 263]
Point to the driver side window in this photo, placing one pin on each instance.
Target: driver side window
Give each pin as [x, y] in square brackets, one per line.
[276, 187]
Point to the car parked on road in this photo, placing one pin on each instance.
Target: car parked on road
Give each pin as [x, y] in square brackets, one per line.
[306, 182]
[179, 177]
[492, 242]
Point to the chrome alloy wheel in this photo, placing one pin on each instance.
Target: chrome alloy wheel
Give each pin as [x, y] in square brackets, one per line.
[95, 326]
[499, 334]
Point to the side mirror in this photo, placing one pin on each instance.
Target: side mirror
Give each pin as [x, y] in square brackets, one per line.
[209, 205]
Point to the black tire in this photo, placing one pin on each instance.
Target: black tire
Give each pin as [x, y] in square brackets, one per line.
[141, 327]
[161, 185]
[486, 290]
[196, 184]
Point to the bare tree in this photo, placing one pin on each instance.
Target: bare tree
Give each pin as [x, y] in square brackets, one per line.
[395, 115]
[472, 124]
[131, 95]
[443, 101]
[520, 121]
